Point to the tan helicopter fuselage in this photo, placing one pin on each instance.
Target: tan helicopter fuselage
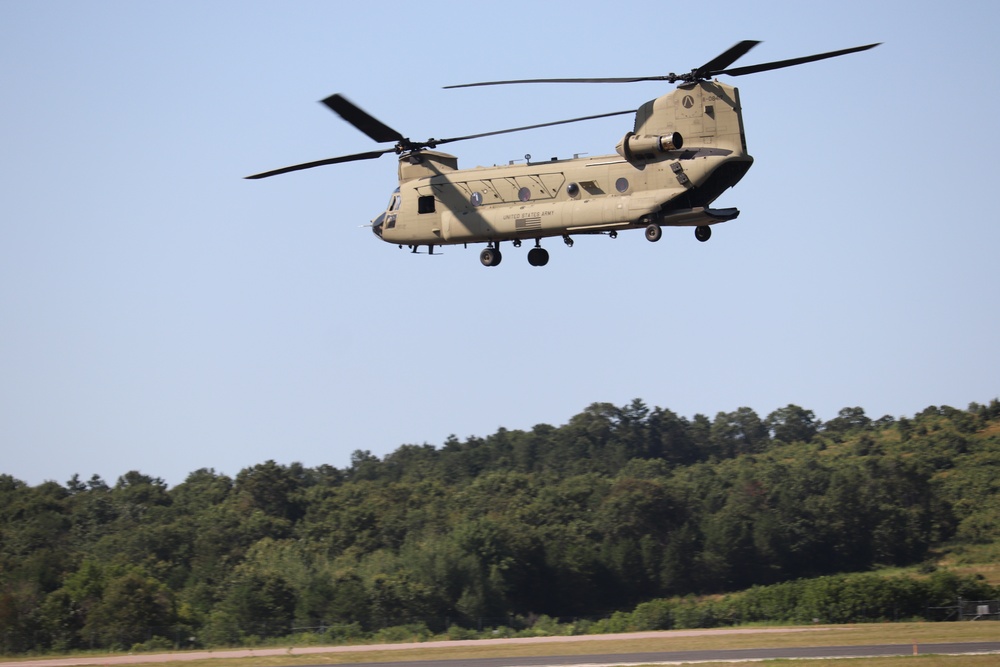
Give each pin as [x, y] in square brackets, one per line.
[650, 180]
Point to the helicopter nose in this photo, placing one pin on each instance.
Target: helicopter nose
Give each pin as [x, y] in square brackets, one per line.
[377, 225]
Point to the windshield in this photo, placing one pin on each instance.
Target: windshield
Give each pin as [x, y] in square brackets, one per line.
[387, 220]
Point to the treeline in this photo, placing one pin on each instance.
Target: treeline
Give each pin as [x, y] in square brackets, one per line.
[853, 598]
[621, 506]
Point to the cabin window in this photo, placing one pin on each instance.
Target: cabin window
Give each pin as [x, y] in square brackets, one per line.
[425, 204]
[524, 194]
[477, 198]
[573, 190]
[621, 184]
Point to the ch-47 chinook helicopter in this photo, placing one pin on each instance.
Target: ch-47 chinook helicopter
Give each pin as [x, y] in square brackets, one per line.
[686, 148]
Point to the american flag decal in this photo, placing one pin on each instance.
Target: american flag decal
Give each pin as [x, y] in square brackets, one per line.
[534, 222]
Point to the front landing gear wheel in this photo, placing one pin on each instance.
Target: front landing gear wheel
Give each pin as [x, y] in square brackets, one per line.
[703, 233]
[653, 233]
[538, 257]
[490, 257]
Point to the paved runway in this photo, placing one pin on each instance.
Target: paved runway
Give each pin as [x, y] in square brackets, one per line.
[726, 655]
[593, 660]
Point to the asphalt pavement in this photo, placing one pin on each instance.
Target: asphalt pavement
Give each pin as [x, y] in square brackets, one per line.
[591, 660]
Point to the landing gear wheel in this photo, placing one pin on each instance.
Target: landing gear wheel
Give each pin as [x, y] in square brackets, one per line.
[490, 257]
[653, 233]
[703, 233]
[538, 257]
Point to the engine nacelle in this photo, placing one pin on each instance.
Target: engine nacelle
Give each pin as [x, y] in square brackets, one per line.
[644, 147]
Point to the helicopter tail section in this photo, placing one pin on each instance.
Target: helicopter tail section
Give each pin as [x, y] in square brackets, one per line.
[706, 114]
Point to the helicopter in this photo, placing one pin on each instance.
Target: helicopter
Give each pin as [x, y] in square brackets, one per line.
[685, 149]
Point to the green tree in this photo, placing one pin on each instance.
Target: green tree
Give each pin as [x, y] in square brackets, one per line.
[792, 424]
[847, 421]
[738, 432]
[19, 619]
[202, 489]
[269, 488]
[255, 604]
[133, 608]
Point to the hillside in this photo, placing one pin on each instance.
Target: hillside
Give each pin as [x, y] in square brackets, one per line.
[618, 507]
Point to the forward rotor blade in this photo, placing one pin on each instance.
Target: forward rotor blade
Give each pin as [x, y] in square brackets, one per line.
[726, 58]
[361, 119]
[430, 143]
[529, 127]
[319, 163]
[753, 69]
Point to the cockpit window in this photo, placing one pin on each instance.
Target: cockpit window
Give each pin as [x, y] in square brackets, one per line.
[394, 201]
[390, 211]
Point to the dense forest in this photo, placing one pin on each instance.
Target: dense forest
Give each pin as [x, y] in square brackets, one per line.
[622, 508]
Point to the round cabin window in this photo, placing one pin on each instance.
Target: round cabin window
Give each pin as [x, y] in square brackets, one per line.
[621, 184]
[477, 198]
[524, 194]
[573, 190]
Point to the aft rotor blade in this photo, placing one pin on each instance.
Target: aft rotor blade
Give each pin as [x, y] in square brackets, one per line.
[634, 79]
[753, 69]
[361, 119]
[435, 142]
[319, 163]
[726, 58]
[712, 68]
[722, 60]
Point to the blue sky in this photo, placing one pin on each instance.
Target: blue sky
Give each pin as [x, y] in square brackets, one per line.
[159, 313]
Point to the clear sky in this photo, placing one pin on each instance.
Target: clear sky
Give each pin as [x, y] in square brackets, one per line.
[159, 313]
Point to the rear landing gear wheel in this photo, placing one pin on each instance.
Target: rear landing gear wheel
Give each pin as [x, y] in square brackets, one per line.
[703, 233]
[538, 257]
[490, 257]
[653, 233]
